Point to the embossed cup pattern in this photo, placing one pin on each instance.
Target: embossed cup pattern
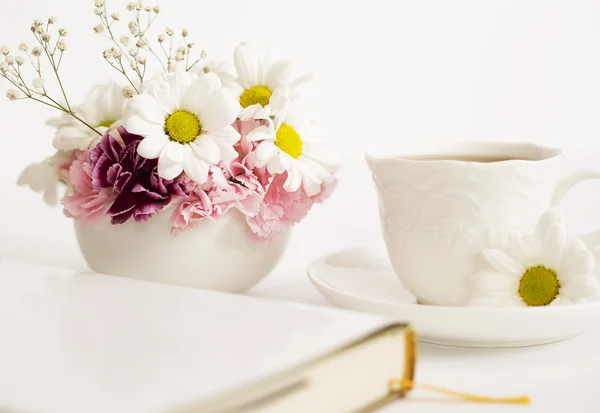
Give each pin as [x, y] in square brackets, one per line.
[438, 215]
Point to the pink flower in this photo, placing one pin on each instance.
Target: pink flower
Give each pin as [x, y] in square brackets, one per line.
[87, 203]
[279, 210]
[230, 185]
[244, 146]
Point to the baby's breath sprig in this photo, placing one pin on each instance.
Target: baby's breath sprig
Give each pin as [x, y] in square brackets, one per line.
[181, 53]
[11, 68]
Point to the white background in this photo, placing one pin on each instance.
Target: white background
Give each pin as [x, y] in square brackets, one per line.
[388, 75]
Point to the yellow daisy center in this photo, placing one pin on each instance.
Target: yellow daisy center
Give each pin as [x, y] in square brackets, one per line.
[539, 285]
[254, 95]
[288, 140]
[107, 123]
[182, 127]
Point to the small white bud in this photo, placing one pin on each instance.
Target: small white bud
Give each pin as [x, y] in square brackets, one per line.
[23, 47]
[180, 50]
[161, 38]
[62, 32]
[156, 9]
[108, 53]
[130, 6]
[52, 20]
[3, 67]
[147, 9]
[169, 31]
[140, 43]
[12, 94]
[9, 60]
[185, 32]
[141, 60]
[46, 37]
[98, 11]
[115, 16]
[19, 60]
[117, 53]
[203, 55]
[127, 93]
[133, 28]
[37, 22]
[5, 50]
[61, 45]
[172, 66]
[99, 28]
[99, 3]
[133, 64]
[139, 6]
[36, 51]
[190, 45]
[133, 52]
[178, 57]
[124, 40]
[38, 83]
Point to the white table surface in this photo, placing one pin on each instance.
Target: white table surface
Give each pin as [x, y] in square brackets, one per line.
[558, 377]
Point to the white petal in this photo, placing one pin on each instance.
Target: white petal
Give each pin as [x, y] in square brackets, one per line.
[266, 151]
[279, 100]
[580, 287]
[311, 185]
[206, 148]
[195, 168]
[293, 181]
[491, 282]
[577, 260]
[275, 165]
[196, 98]
[228, 135]
[502, 262]
[221, 109]
[260, 133]
[170, 161]
[138, 126]
[232, 83]
[145, 107]
[513, 301]
[152, 146]
[278, 73]
[547, 220]
[246, 66]
[307, 77]
[554, 243]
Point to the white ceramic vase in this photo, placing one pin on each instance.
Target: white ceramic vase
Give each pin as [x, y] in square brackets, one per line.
[216, 255]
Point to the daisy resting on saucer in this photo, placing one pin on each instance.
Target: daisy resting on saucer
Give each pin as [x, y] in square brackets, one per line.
[544, 268]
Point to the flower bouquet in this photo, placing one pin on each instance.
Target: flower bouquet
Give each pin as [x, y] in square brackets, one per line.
[186, 171]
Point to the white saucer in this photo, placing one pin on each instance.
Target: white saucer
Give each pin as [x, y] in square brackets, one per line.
[362, 279]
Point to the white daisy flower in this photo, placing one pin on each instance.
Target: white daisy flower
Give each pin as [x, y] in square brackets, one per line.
[44, 176]
[288, 145]
[102, 108]
[541, 269]
[264, 87]
[186, 123]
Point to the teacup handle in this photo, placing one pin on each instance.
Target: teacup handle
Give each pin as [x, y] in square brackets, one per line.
[591, 239]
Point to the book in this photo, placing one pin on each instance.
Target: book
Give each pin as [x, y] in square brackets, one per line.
[86, 343]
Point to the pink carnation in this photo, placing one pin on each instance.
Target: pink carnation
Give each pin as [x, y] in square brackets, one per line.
[87, 203]
[230, 185]
[279, 210]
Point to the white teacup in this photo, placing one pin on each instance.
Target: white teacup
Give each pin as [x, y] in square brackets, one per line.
[440, 209]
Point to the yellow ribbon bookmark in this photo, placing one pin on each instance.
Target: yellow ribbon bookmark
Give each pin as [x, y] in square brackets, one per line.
[401, 386]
